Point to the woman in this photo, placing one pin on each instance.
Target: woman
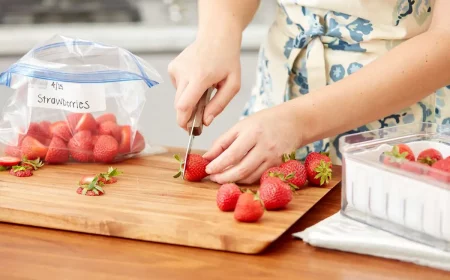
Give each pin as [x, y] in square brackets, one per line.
[327, 68]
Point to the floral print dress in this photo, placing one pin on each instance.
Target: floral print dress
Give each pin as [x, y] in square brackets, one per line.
[314, 43]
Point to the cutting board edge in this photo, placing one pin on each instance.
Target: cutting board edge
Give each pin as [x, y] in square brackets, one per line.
[17, 217]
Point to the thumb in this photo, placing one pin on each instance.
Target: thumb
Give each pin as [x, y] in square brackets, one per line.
[222, 98]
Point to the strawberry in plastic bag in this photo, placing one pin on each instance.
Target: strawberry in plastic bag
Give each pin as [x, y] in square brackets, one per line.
[76, 100]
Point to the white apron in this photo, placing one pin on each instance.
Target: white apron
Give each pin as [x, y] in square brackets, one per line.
[314, 43]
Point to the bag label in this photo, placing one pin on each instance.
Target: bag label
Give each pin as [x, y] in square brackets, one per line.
[73, 97]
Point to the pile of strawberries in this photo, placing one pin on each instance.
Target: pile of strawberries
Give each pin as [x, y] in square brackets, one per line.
[429, 162]
[277, 184]
[81, 138]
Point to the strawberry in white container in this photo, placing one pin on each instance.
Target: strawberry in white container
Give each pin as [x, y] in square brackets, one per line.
[398, 179]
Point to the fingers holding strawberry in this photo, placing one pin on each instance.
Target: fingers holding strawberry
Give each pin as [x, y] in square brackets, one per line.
[245, 172]
[253, 145]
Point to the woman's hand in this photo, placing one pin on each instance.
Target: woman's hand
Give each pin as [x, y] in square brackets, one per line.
[253, 145]
[213, 61]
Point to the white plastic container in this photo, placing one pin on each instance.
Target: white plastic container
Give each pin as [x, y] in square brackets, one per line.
[415, 206]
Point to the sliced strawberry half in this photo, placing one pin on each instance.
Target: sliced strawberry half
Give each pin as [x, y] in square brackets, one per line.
[125, 140]
[138, 143]
[9, 161]
[32, 149]
[86, 122]
[62, 130]
[126, 146]
[87, 179]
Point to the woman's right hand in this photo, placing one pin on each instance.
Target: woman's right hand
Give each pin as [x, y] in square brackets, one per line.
[209, 61]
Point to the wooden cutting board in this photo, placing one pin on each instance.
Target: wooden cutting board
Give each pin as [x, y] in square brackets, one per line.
[147, 203]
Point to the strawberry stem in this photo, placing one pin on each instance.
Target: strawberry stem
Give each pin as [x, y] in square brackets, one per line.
[324, 172]
[112, 172]
[17, 168]
[288, 157]
[429, 161]
[293, 187]
[180, 171]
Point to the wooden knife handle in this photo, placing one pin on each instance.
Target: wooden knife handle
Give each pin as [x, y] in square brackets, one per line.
[198, 113]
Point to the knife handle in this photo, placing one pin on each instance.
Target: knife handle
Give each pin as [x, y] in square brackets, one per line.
[198, 113]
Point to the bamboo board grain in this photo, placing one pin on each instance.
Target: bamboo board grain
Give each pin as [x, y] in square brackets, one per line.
[145, 204]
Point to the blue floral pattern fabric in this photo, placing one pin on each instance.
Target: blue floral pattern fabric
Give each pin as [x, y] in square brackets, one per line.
[312, 44]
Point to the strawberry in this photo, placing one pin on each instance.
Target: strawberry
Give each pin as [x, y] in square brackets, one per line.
[13, 151]
[392, 161]
[271, 172]
[57, 151]
[440, 170]
[295, 167]
[110, 176]
[275, 193]
[106, 148]
[95, 139]
[110, 128]
[9, 161]
[80, 190]
[397, 154]
[138, 143]
[35, 131]
[429, 156]
[413, 166]
[45, 128]
[86, 122]
[73, 119]
[92, 188]
[195, 169]
[318, 168]
[32, 149]
[87, 179]
[103, 178]
[62, 130]
[125, 140]
[20, 171]
[80, 146]
[227, 197]
[106, 117]
[249, 208]
[112, 180]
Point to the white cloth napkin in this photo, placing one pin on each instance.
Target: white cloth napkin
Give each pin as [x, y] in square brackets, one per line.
[341, 233]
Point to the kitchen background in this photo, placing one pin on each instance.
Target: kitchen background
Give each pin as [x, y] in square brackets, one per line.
[156, 30]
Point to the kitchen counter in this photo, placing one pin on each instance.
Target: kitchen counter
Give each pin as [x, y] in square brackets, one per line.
[34, 253]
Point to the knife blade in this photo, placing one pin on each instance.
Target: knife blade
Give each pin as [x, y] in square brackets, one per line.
[195, 123]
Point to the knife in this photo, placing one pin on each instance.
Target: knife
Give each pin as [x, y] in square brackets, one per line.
[195, 123]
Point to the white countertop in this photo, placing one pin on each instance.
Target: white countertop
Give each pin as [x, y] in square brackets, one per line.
[137, 38]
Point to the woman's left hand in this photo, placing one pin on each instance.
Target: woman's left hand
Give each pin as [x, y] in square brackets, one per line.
[253, 145]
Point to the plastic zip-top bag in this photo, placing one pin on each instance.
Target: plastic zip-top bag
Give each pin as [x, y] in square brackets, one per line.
[76, 101]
